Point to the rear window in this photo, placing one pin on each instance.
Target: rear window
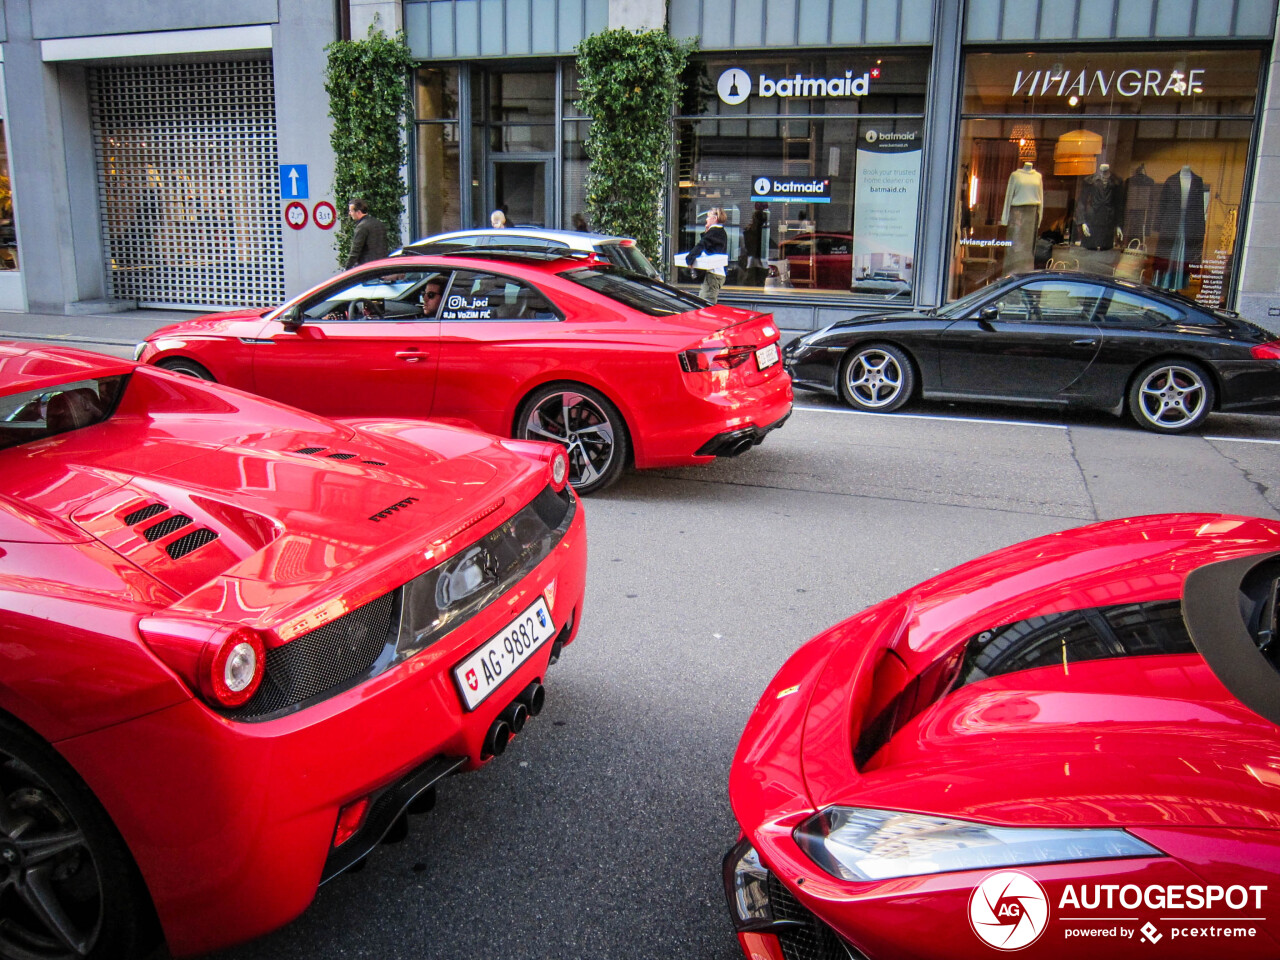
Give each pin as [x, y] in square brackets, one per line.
[628, 257]
[37, 414]
[645, 294]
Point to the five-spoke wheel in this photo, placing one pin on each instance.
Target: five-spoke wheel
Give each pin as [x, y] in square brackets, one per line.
[1171, 396]
[67, 888]
[877, 377]
[586, 424]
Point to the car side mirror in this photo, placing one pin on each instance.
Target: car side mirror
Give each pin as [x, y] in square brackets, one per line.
[293, 318]
[986, 315]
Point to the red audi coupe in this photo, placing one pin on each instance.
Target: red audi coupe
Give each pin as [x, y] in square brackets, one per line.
[1069, 747]
[615, 366]
[241, 641]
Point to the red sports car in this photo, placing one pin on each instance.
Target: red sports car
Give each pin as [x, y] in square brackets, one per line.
[616, 367]
[240, 641]
[1071, 746]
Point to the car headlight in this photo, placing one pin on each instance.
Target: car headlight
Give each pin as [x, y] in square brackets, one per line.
[854, 843]
[137, 350]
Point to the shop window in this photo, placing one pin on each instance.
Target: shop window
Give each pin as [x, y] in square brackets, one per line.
[8, 232]
[437, 153]
[1113, 164]
[816, 162]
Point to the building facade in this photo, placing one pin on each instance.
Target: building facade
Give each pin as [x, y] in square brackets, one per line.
[900, 153]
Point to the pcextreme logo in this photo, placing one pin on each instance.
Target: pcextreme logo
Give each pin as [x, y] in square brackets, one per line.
[1008, 910]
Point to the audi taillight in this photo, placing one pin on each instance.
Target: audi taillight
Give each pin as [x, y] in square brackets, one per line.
[707, 359]
[1267, 351]
[223, 664]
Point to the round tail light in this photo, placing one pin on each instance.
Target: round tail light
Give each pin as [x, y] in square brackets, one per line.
[559, 468]
[236, 668]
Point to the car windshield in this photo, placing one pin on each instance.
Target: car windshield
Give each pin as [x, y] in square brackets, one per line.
[645, 294]
[959, 308]
[37, 414]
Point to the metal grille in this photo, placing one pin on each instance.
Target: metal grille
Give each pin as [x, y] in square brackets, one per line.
[187, 189]
[166, 527]
[144, 513]
[813, 941]
[192, 541]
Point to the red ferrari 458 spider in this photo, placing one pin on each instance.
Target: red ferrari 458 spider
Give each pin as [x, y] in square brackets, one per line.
[615, 366]
[241, 641]
[1069, 747]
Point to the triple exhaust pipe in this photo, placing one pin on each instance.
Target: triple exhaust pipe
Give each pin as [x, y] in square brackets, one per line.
[528, 703]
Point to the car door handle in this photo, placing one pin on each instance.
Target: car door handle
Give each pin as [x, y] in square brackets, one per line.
[410, 356]
[1086, 342]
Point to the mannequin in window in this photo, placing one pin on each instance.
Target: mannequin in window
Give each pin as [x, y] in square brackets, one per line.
[1139, 199]
[1181, 212]
[1023, 207]
[1099, 207]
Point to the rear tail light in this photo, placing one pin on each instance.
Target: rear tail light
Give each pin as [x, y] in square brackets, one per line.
[552, 454]
[1267, 351]
[707, 359]
[223, 664]
[350, 820]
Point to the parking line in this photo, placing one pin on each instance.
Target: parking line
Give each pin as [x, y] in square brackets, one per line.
[1243, 440]
[919, 416]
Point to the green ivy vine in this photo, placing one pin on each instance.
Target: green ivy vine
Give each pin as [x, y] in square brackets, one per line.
[629, 82]
[369, 104]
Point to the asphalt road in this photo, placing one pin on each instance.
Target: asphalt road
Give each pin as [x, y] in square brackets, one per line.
[599, 833]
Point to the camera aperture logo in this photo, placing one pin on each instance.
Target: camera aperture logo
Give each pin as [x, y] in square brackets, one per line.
[1008, 910]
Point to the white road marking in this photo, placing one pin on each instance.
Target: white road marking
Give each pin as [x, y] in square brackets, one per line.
[1243, 440]
[918, 416]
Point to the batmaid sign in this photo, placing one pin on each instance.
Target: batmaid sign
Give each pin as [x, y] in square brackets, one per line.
[734, 85]
[1124, 83]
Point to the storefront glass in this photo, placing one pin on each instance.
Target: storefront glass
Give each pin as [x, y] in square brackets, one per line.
[8, 232]
[816, 162]
[436, 151]
[1130, 165]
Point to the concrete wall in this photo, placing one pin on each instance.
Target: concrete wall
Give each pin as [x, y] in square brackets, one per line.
[638, 14]
[94, 18]
[1259, 298]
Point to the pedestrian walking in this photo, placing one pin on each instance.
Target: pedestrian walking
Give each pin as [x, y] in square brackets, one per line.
[369, 240]
[498, 219]
[714, 240]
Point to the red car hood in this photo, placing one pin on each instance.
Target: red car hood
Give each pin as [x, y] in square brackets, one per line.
[1154, 740]
[284, 505]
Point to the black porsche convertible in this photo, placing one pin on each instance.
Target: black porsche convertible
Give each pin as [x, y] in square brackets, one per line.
[1061, 339]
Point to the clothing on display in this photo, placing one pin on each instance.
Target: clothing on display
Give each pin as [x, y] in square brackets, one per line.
[1139, 198]
[1023, 206]
[1180, 222]
[1099, 207]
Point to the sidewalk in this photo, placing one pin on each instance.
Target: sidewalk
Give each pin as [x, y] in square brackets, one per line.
[113, 333]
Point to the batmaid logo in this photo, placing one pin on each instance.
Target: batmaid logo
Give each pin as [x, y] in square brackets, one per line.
[734, 85]
[1008, 910]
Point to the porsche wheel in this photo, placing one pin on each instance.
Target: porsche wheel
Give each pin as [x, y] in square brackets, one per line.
[586, 424]
[877, 378]
[68, 887]
[184, 366]
[1171, 396]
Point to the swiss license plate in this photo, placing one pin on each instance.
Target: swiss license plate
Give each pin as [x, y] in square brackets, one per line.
[766, 357]
[486, 669]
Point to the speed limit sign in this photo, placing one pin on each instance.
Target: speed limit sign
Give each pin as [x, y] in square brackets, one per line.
[324, 214]
[295, 215]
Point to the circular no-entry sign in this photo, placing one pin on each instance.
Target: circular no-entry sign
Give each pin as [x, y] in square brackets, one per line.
[324, 214]
[295, 215]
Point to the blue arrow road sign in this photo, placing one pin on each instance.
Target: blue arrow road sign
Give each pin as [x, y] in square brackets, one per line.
[293, 181]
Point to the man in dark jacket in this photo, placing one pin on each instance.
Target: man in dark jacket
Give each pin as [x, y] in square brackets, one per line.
[714, 240]
[369, 240]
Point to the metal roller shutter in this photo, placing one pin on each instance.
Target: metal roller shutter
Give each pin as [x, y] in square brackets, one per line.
[187, 183]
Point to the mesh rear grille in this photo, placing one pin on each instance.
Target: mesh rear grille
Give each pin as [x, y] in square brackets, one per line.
[309, 450]
[341, 456]
[327, 657]
[192, 541]
[166, 527]
[144, 513]
[375, 463]
[813, 941]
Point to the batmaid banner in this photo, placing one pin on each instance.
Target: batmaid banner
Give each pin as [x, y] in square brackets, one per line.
[886, 197]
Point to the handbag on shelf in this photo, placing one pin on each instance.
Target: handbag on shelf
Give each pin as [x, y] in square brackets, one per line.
[1063, 264]
[1133, 261]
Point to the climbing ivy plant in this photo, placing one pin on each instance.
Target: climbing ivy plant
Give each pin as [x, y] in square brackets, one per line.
[628, 84]
[369, 104]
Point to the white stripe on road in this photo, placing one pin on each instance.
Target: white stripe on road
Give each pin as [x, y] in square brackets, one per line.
[1243, 440]
[918, 416]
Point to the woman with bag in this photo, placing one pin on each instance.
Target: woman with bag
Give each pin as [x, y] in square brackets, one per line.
[714, 240]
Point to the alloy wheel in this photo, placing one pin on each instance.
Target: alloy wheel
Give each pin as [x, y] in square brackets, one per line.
[51, 895]
[874, 378]
[582, 427]
[1172, 397]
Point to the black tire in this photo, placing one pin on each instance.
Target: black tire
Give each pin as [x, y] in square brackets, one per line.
[1171, 396]
[184, 366]
[595, 434]
[876, 377]
[68, 886]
